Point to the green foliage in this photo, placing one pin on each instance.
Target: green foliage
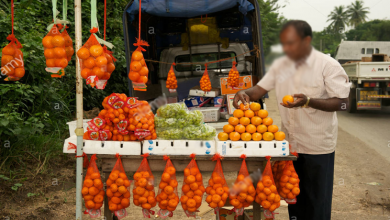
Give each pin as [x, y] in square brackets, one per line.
[329, 40]
[376, 30]
[16, 186]
[357, 13]
[338, 18]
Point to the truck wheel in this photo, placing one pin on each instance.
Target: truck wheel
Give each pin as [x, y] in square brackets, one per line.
[352, 101]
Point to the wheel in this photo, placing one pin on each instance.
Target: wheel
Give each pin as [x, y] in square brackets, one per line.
[352, 101]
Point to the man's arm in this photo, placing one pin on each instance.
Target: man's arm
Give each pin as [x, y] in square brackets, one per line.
[247, 95]
[327, 105]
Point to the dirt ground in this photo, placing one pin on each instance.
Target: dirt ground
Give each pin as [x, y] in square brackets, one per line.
[361, 187]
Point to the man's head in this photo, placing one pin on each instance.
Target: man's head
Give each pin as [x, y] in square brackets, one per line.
[295, 38]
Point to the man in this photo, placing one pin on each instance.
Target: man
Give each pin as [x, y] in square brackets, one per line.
[320, 87]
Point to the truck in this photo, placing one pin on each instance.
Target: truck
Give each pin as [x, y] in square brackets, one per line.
[355, 50]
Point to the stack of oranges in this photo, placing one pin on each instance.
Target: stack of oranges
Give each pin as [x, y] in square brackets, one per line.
[167, 198]
[289, 182]
[192, 189]
[138, 69]
[12, 63]
[54, 49]
[204, 82]
[143, 191]
[171, 80]
[118, 190]
[233, 78]
[93, 62]
[92, 190]
[267, 194]
[217, 191]
[250, 123]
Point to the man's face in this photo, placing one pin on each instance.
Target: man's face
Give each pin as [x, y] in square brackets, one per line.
[294, 46]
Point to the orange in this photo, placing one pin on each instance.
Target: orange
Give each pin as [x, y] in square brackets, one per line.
[254, 106]
[249, 113]
[97, 71]
[83, 53]
[173, 203]
[228, 128]
[8, 70]
[190, 179]
[113, 207]
[277, 198]
[244, 107]
[61, 62]
[295, 191]
[222, 136]
[268, 136]
[288, 98]
[101, 61]
[125, 202]
[191, 203]
[184, 199]
[250, 128]
[239, 129]
[273, 188]
[134, 76]
[273, 128]
[143, 71]
[265, 204]
[246, 136]
[234, 202]
[262, 196]
[280, 136]
[85, 73]
[50, 62]
[234, 136]
[238, 113]
[185, 188]
[267, 121]
[142, 182]
[168, 190]
[96, 50]
[5, 59]
[59, 52]
[122, 189]
[272, 207]
[135, 66]
[216, 198]
[267, 182]
[113, 176]
[90, 204]
[9, 50]
[256, 136]
[46, 41]
[93, 191]
[84, 190]
[58, 41]
[89, 63]
[137, 56]
[233, 121]
[110, 67]
[262, 113]
[245, 121]
[256, 120]
[166, 177]
[143, 79]
[98, 199]
[194, 186]
[49, 53]
[97, 183]
[262, 128]
[88, 183]
[19, 72]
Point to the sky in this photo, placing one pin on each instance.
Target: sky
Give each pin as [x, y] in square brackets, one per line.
[316, 12]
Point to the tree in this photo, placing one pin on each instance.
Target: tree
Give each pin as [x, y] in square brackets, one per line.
[338, 18]
[357, 13]
[376, 30]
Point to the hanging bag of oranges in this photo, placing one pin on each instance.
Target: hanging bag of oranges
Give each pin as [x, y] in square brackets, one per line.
[234, 76]
[266, 192]
[12, 64]
[118, 190]
[243, 192]
[167, 197]
[171, 83]
[288, 183]
[68, 42]
[92, 190]
[204, 82]
[217, 189]
[277, 171]
[192, 189]
[143, 191]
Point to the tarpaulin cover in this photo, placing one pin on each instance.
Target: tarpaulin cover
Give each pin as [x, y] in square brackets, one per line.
[186, 8]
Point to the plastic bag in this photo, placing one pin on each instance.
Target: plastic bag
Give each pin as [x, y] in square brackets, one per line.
[289, 183]
[118, 189]
[202, 132]
[233, 78]
[143, 191]
[167, 197]
[92, 190]
[217, 189]
[243, 192]
[12, 63]
[266, 192]
[204, 82]
[193, 118]
[141, 121]
[174, 110]
[138, 70]
[170, 134]
[54, 49]
[171, 83]
[192, 189]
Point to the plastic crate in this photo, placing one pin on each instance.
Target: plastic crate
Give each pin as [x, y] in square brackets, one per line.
[252, 148]
[178, 147]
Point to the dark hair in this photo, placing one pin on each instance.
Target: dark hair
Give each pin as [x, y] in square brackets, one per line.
[302, 27]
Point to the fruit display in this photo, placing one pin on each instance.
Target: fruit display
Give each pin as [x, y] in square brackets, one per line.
[54, 49]
[250, 123]
[138, 69]
[12, 64]
[192, 189]
[175, 121]
[288, 183]
[143, 191]
[171, 82]
[118, 188]
[233, 76]
[92, 190]
[217, 189]
[167, 197]
[205, 83]
[266, 192]
[243, 192]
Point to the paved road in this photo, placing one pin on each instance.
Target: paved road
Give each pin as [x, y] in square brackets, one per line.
[371, 127]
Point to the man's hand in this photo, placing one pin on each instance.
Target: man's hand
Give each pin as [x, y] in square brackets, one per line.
[240, 96]
[300, 100]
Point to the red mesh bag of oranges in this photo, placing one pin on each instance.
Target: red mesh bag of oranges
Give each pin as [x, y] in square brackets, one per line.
[143, 191]
[277, 171]
[192, 189]
[12, 64]
[204, 82]
[217, 189]
[289, 183]
[118, 190]
[68, 42]
[92, 190]
[234, 76]
[138, 70]
[171, 83]
[266, 192]
[243, 192]
[167, 197]
[141, 121]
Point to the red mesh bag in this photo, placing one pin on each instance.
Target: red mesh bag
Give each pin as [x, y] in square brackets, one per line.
[12, 64]
[171, 80]
[68, 42]
[204, 82]
[167, 197]
[289, 183]
[233, 78]
[217, 189]
[277, 171]
[85, 161]
[54, 50]
[243, 192]
[92, 190]
[266, 192]
[192, 189]
[143, 191]
[118, 189]
[138, 70]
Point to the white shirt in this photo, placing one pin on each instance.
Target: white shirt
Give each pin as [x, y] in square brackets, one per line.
[309, 131]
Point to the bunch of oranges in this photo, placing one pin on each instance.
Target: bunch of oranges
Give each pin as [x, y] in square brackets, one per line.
[233, 78]
[138, 69]
[117, 190]
[171, 80]
[54, 49]
[204, 82]
[92, 190]
[94, 62]
[243, 192]
[167, 198]
[142, 117]
[143, 191]
[250, 123]
[12, 63]
[289, 182]
[192, 189]
[267, 194]
[68, 44]
[217, 191]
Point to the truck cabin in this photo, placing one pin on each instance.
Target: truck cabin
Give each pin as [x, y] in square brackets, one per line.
[356, 50]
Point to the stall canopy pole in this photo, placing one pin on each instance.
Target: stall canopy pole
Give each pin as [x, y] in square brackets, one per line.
[79, 105]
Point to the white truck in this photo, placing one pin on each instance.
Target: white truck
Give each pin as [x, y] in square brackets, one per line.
[370, 85]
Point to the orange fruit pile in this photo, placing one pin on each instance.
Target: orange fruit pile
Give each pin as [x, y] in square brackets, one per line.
[143, 191]
[54, 49]
[267, 194]
[92, 190]
[118, 191]
[204, 82]
[233, 78]
[167, 198]
[250, 123]
[138, 69]
[242, 193]
[217, 191]
[192, 189]
[171, 80]
[12, 63]
[289, 182]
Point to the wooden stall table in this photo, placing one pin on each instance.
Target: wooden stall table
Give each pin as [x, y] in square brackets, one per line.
[156, 163]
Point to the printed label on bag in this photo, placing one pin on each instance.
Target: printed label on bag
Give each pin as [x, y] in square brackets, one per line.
[269, 214]
[101, 84]
[115, 102]
[92, 80]
[142, 133]
[122, 126]
[103, 134]
[147, 212]
[93, 135]
[132, 102]
[139, 86]
[95, 124]
[172, 90]
[163, 213]
[120, 213]
[93, 213]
